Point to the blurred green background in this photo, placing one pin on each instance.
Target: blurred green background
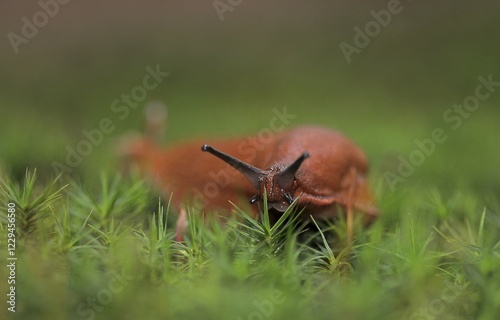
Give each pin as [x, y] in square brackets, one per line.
[226, 77]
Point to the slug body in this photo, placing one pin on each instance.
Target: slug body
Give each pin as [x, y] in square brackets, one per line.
[192, 178]
[320, 167]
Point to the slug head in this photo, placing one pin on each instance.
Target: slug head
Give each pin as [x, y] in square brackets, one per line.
[276, 182]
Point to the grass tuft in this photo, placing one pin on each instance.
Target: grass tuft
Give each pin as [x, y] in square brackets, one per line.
[33, 204]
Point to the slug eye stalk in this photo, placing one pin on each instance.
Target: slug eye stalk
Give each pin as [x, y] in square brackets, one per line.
[252, 173]
[286, 177]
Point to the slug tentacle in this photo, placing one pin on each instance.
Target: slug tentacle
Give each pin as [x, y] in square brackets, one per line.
[286, 177]
[252, 173]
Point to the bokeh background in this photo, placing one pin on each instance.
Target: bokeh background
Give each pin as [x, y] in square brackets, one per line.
[226, 76]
